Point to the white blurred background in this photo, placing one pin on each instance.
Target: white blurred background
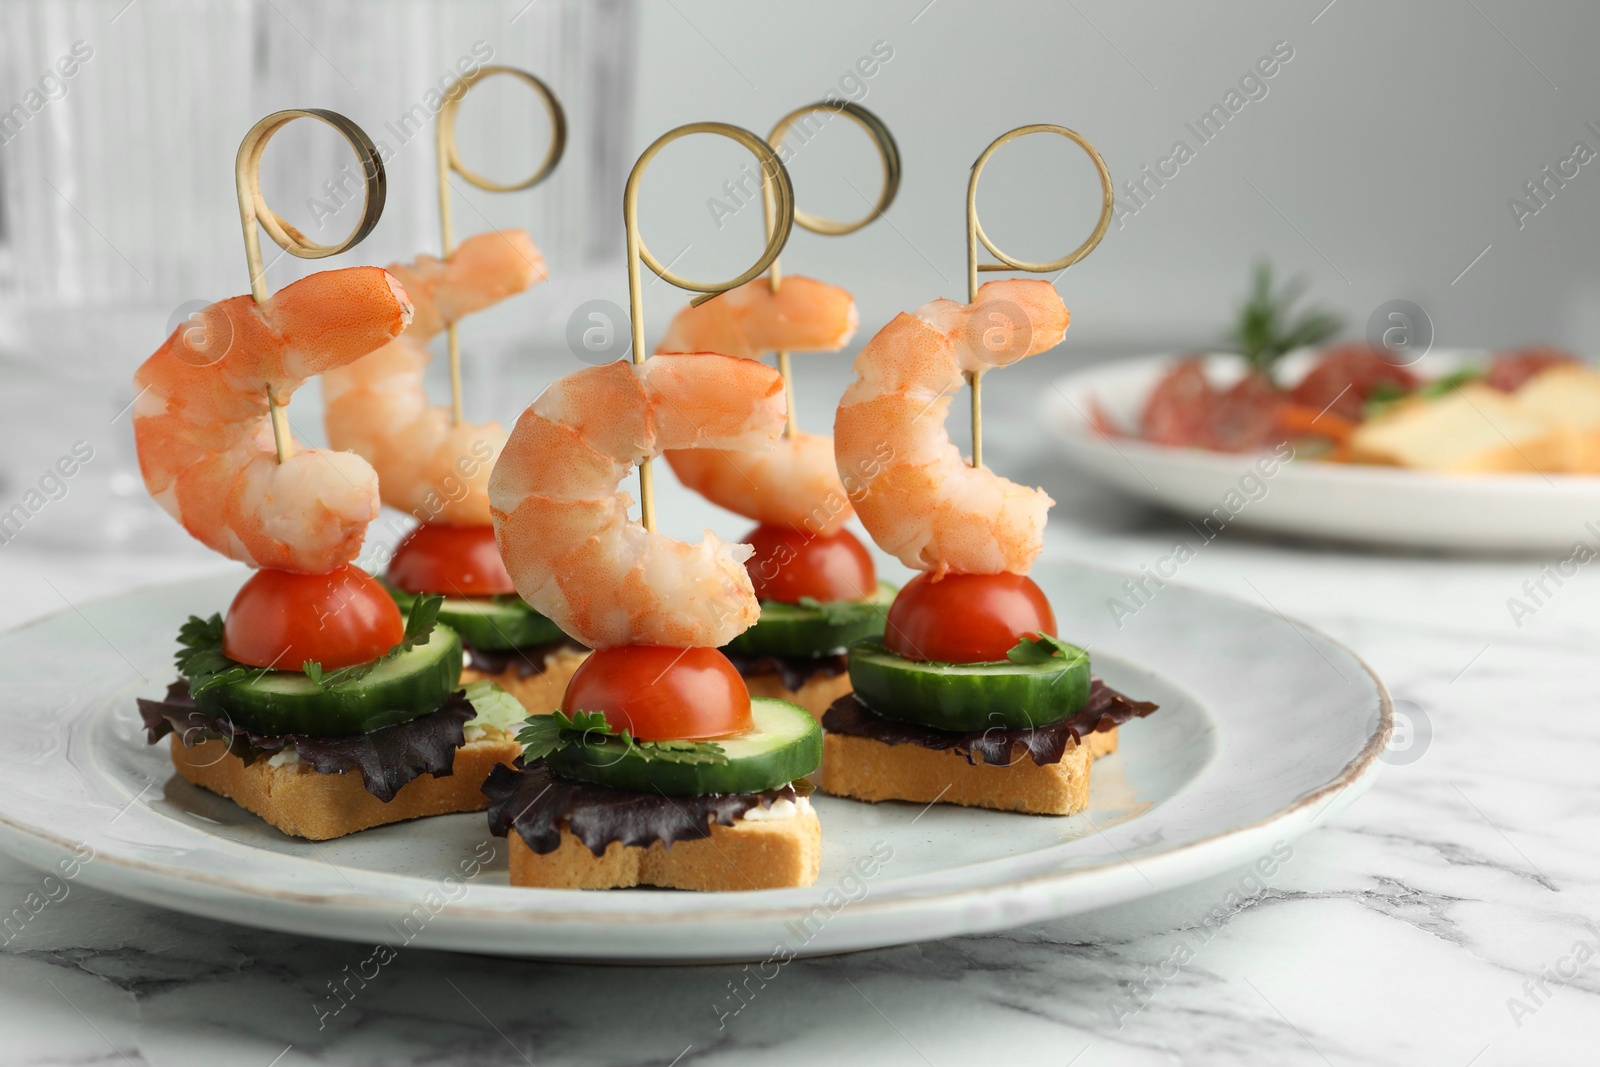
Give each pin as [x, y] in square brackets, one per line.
[1380, 159]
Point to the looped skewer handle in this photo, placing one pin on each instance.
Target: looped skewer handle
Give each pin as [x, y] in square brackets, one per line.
[253, 209]
[888, 157]
[450, 155]
[975, 235]
[773, 172]
[975, 232]
[449, 159]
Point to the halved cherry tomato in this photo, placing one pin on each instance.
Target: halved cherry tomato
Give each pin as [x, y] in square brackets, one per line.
[966, 618]
[449, 560]
[662, 694]
[790, 564]
[280, 619]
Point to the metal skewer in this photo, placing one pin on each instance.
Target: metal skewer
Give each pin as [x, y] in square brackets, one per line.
[253, 209]
[975, 235]
[888, 156]
[773, 173]
[449, 159]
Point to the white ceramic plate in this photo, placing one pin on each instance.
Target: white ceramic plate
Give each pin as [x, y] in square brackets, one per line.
[1372, 504]
[1264, 729]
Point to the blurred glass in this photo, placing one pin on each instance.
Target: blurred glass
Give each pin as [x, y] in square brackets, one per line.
[118, 127]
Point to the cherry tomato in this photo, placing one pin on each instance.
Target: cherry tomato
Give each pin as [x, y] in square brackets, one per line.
[662, 694]
[966, 618]
[449, 560]
[789, 564]
[281, 619]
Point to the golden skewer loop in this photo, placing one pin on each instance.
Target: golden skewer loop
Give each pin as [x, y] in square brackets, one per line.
[783, 191]
[449, 159]
[975, 235]
[888, 156]
[253, 209]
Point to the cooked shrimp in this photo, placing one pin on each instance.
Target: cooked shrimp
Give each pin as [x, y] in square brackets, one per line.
[923, 503]
[200, 421]
[563, 526]
[378, 409]
[796, 484]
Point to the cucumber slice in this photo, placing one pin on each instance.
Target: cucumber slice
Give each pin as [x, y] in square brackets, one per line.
[490, 622]
[785, 744]
[963, 697]
[796, 632]
[406, 687]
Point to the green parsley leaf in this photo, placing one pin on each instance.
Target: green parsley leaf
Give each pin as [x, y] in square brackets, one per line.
[420, 621]
[1043, 648]
[1441, 386]
[682, 751]
[326, 680]
[1383, 397]
[582, 725]
[544, 734]
[419, 624]
[200, 658]
[540, 737]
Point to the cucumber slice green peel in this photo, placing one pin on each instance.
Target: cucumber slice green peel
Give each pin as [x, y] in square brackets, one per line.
[814, 628]
[397, 689]
[785, 744]
[491, 623]
[412, 679]
[1044, 680]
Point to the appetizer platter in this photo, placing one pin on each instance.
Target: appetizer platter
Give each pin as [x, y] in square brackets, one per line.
[1257, 741]
[1446, 448]
[366, 759]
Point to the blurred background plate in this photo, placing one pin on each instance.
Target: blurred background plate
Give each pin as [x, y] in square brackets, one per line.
[1378, 505]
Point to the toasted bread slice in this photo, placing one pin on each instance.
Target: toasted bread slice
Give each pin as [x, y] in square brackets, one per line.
[750, 854]
[1568, 398]
[1472, 430]
[540, 693]
[865, 769]
[303, 803]
[1101, 743]
[816, 695]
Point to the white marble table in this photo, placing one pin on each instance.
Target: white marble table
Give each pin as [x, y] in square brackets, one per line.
[1426, 925]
